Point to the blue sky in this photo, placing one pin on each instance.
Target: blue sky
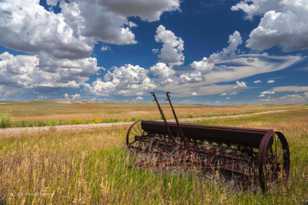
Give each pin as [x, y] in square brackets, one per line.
[217, 52]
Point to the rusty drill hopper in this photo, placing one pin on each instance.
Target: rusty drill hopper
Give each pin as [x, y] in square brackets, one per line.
[255, 156]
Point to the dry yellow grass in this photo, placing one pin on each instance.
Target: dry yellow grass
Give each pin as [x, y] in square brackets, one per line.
[92, 167]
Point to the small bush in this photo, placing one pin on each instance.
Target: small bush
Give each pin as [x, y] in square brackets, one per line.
[4, 121]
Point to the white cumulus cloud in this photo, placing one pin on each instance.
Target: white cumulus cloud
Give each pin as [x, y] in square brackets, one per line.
[17, 71]
[25, 71]
[127, 80]
[111, 17]
[230, 65]
[172, 50]
[227, 66]
[204, 65]
[208, 64]
[221, 72]
[283, 23]
[57, 46]
[162, 72]
[27, 26]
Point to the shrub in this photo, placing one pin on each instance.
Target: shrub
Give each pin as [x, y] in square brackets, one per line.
[4, 121]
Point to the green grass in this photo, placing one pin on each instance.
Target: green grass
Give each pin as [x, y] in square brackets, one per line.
[93, 167]
[43, 123]
[5, 121]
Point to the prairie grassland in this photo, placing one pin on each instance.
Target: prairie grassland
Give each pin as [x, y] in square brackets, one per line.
[93, 167]
[50, 113]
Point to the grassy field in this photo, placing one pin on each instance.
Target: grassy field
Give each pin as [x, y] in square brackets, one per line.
[49, 113]
[93, 167]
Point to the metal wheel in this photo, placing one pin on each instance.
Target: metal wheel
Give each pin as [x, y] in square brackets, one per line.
[134, 134]
[274, 159]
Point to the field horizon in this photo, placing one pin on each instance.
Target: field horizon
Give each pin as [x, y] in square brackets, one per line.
[52, 113]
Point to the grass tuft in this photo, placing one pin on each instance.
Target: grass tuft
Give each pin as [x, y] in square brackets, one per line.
[5, 121]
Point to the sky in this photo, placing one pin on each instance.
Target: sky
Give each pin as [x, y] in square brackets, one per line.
[207, 51]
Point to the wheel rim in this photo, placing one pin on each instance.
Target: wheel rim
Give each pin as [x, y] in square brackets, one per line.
[274, 161]
[134, 132]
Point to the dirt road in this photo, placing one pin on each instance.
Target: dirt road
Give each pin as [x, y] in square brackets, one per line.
[29, 130]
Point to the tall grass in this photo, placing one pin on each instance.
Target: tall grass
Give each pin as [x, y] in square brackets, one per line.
[93, 167]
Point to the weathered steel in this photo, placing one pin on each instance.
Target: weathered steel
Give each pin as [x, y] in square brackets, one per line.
[226, 135]
[254, 156]
[179, 130]
[162, 114]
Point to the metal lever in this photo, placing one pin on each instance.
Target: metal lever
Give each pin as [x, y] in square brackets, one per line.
[179, 130]
[162, 114]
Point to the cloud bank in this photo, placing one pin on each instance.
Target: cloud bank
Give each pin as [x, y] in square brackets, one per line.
[221, 72]
[283, 23]
[55, 48]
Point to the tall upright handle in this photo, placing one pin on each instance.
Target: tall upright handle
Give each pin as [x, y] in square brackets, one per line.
[172, 109]
[179, 130]
[162, 114]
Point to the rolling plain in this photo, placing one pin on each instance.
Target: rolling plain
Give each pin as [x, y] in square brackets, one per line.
[92, 166]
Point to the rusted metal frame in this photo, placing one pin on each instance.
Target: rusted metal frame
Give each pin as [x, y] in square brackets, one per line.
[236, 129]
[179, 129]
[206, 133]
[162, 114]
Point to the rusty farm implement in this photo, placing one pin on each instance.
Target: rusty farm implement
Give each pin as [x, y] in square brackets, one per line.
[258, 157]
